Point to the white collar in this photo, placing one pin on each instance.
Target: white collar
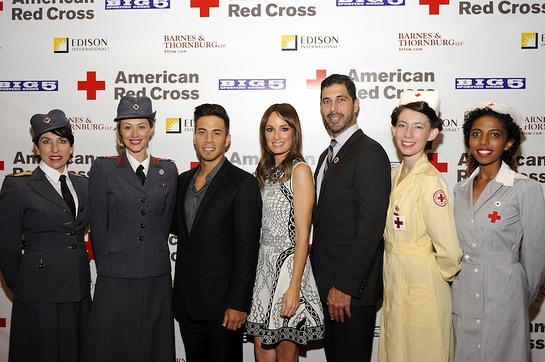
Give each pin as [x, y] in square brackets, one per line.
[52, 173]
[134, 163]
[506, 175]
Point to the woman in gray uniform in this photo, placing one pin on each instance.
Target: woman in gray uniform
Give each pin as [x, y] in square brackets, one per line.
[132, 198]
[47, 212]
[499, 217]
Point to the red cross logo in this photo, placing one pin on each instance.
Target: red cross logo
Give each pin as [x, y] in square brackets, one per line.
[321, 74]
[434, 5]
[494, 216]
[440, 198]
[89, 246]
[434, 160]
[91, 85]
[204, 6]
[398, 222]
[418, 94]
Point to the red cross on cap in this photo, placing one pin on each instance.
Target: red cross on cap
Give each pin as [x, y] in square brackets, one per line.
[491, 104]
[47, 120]
[135, 107]
[418, 94]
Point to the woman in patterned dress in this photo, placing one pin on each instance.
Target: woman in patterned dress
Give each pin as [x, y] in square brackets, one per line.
[286, 310]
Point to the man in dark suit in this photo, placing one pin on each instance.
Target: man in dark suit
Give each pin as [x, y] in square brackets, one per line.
[217, 219]
[353, 187]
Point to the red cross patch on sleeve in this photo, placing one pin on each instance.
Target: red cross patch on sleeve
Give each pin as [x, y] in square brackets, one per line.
[440, 198]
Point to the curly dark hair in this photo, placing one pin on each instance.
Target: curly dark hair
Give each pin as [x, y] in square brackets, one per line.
[514, 133]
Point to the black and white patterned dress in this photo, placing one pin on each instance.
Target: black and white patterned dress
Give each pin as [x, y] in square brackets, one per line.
[274, 271]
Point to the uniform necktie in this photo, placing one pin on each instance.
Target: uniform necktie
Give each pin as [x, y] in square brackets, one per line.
[330, 153]
[140, 174]
[67, 195]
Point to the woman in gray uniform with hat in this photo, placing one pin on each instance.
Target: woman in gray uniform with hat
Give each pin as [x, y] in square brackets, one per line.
[132, 198]
[499, 217]
[45, 213]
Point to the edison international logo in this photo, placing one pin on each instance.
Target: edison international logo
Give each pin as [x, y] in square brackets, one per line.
[531, 40]
[296, 42]
[179, 125]
[66, 45]
[137, 4]
[490, 83]
[173, 125]
[370, 2]
[289, 42]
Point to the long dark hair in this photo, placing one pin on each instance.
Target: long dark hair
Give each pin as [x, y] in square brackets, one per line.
[265, 167]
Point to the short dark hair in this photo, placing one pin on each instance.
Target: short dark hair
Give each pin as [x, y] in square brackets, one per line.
[339, 79]
[420, 107]
[61, 132]
[208, 109]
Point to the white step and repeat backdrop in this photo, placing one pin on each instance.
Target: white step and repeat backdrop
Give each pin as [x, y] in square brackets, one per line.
[83, 55]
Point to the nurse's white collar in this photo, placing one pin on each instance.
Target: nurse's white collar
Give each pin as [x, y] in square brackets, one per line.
[505, 176]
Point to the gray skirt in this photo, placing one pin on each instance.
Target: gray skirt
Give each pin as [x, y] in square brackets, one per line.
[48, 331]
[131, 320]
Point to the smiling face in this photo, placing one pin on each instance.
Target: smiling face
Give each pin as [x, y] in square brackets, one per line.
[488, 140]
[135, 135]
[54, 150]
[211, 139]
[279, 137]
[411, 133]
[338, 109]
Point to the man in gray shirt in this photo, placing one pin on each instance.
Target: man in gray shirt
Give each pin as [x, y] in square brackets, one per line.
[218, 220]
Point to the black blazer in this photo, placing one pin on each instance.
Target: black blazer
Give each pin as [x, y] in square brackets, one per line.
[130, 222]
[55, 265]
[216, 262]
[349, 220]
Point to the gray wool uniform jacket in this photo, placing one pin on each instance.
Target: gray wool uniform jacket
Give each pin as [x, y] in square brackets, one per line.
[55, 265]
[130, 222]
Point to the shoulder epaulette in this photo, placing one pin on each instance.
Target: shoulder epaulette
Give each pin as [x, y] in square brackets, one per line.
[26, 173]
[76, 174]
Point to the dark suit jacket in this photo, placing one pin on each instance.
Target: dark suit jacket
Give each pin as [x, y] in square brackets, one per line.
[349, 221]
[130, 222]
[216, 262]
[55, 265]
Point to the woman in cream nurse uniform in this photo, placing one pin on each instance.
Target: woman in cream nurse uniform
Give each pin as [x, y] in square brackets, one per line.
[421, 249]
